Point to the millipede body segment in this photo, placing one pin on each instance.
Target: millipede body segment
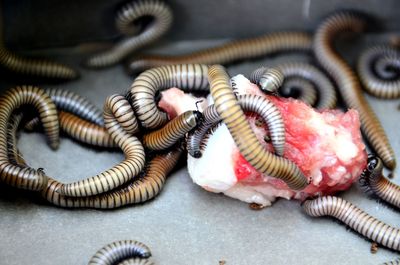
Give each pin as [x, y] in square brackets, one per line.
[233, 116]
[347, 81]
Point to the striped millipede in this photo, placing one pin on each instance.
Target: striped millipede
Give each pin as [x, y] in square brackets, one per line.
[174, 130]
[253, 103]
[14, 155]
[20, 176]
[162, 20]
[137, 191]
[84, 131]
[300, 89]
[308, 72]
[378, 68]
[130, 145]
[269, 79]
[230, 52]
[373, 179]
[347, 81]
[189, 77]
[233, 116]
[136, 261]
[69, 101]
[118, 251]
[355, 218]
[28, 66]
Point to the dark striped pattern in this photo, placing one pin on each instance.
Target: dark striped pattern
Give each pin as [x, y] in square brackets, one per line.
[162, 20]
[14, 156]
[136, 261]
[189, 77]
[268, 79]
[21, 176]
[174, 130]
[378, 68]
[393, 262]
[69, 101]
[233, 116]
[138, 190]
[119, 174]
[347, 81]
[118, 251]
[300, 89]
[355, 218]
[28, 66]
[260, 105]
[84, 131]
[373, 178]
[230, 52]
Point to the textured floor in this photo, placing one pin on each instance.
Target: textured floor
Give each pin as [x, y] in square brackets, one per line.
[184, 224]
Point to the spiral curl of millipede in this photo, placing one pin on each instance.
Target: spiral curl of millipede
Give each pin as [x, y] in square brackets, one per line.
[308, 72]
[253, 103]
[300, 89]
[355, 218]
[131, 146]
[230, 52]
[28, 66]
[120, 250]
[378, 68]
[372, 178]
[347, 81]
[234, 118]
[189, 77]
[162, 20]
[20, 176]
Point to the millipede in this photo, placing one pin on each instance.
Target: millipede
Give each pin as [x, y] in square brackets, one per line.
[16, 175]
[355, 218]
[347, 81]
[114, 177]
[372, 178]
[125, 22]
[29, 66]
[136, 261]
[378, 68]
[309, 74]
[189, 77]
[251, 103]
[139, 190]
[230, 52]
[300, 89]
[120, 250]
[233, 116]
[174, 130]
[269, 79]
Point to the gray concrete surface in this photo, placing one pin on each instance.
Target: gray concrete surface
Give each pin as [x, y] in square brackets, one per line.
[184, 224]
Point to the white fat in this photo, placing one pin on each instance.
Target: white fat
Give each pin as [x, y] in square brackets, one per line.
[214, 170]
[339, 141]
[249, 195]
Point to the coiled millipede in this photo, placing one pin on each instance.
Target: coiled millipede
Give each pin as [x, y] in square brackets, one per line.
[294, 72]
[21, 176]
[378, 68]
[233, 116]
[119, 251]
[189, 77]
[229, 52]
[174, 130]
[269, 79]
[348, 83]
[355, 218]
[28, 66]
[125, 22]
[300, 89]
[124, 171]
[373, 179]
[253, 103]
[138, 190]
